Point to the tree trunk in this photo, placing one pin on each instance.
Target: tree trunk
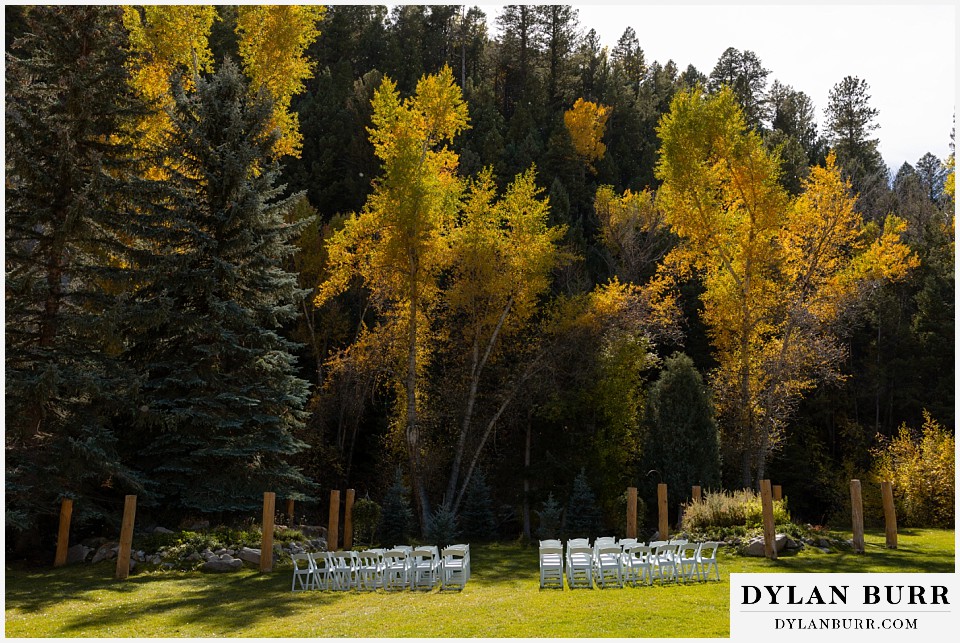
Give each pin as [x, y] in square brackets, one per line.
[412, 430]
[526, 480]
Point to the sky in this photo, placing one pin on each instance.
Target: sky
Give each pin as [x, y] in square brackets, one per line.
[906, 53]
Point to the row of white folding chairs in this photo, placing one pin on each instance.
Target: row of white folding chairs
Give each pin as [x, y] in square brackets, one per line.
[389, 569]
[609, 562]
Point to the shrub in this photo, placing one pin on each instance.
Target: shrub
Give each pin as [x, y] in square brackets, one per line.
[583, 517]
[477, 521]
[731, 509]
[442, 527]
[550, 517]
[396, 515]
[921, 467]
[366, 519]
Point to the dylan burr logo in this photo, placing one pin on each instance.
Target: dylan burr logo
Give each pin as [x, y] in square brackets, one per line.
[840, 606]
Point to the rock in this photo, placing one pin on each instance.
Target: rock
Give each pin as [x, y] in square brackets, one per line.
[219, 566]
[154, 560]
[220, 551]
[823, 550]
[296, 549]
[824, 542]
[77, 554]
[793, 544]
[133, 564]
[226, 557]
[249, 555]
[780, 542]
[107, 551]
[162, 530]
[193, 557]
[209, 555]
[754, 548]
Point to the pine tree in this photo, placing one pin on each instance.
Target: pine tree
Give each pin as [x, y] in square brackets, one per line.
[68, 190]
[443, 529]
[583, 516]
[221, 400]
[476, 513]
[396, 516]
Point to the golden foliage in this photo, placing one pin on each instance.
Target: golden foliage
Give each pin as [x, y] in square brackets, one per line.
[778, 274]
[166, 40]
[921, 466]
[272, 42]
[586, 122]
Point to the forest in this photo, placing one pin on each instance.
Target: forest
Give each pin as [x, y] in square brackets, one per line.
[303, 248]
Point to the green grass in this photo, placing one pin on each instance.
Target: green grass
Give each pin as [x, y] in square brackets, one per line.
[502, 599]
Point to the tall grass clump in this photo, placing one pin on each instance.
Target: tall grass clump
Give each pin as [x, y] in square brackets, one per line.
[725, 509]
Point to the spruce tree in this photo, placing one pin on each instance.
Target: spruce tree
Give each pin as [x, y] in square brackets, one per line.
[221, 398]
[396, 516]
[68, 196]
[583, 516]
[550, 518]
[476, 512]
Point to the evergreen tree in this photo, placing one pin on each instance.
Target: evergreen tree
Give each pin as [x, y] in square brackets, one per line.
[850, 122]
[68, 190]
[550, 517]
[583, 515]
[744, 74]
[221, 400]
[396, 516]
[476, 514]
[442, 528]
[682, 441]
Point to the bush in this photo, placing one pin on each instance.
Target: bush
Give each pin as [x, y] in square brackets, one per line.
[442, 527]
[396, 515]
[583, 517]
[366, 519]
[921, 468]
[731, 509]
[550, 517]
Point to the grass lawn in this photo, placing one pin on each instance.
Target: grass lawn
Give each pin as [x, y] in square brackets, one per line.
[502, 599]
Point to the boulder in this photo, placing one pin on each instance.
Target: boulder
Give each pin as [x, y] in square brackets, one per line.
[193, 557]
[107, 551]
[77, 554]
[249, 555]
[754, 548]
[220, 566]
[780, 542]
[162, 530]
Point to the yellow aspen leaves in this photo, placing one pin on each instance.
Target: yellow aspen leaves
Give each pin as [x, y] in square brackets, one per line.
[166, 40]
[586, 122]
[272, 42]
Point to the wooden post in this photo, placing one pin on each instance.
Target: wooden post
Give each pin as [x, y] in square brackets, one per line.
[697, 494]
[126, 537]
[777, 492]
[333, 526]
[266, 542]
[769, 528]
[348, 520]
[662, 509]
[856, 512]
[290, 511]
[889, 514]
[631, 512]
[63, 536]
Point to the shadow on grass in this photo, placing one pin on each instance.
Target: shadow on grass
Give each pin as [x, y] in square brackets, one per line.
[221, 602]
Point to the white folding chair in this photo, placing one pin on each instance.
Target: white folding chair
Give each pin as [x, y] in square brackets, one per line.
[453, 568]
[609, 565]
[639, 565]
[707, 557]
[687, 559]
[344, 571]
[369, 569]
[323, 569]
[665, 556]
[303, 572]
[551, 566]
[394, 569]
[466, 556]
[423, 567]
[580, 567]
